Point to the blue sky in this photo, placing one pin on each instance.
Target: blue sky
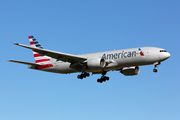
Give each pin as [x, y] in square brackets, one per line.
[82, 26]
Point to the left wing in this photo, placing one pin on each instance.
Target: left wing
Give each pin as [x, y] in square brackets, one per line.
[57, 55]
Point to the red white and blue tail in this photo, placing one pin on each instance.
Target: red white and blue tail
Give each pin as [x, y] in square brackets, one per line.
[39, 58]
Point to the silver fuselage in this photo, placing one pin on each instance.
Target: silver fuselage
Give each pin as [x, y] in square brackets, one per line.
[117, 59]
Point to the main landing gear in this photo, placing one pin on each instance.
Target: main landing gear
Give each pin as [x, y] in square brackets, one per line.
[155, 66]
[83, 75]
[103, 78]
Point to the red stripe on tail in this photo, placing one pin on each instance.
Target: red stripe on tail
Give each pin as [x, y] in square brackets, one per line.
[37, 55]
[29, 37]
[42, 60]
[32, 42]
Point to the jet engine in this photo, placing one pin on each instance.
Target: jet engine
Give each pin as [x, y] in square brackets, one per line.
[130, 71]
[96, 63]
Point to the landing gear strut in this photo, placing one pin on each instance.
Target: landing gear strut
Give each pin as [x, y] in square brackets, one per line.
[155, 66]
[83, 75]
[103, 78]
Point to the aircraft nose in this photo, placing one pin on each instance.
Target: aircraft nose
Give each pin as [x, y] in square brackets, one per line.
[164, 55]
[168, 55]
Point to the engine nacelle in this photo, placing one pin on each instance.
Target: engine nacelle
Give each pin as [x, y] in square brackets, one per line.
[130, 71]
[96, 63]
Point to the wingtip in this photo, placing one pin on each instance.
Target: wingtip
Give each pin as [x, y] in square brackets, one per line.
[9, 60]
[16, 43]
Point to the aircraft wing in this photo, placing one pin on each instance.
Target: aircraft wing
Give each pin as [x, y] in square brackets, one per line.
[26, 63]
[57, 55]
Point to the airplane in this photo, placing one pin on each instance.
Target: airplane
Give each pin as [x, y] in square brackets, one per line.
[127, 61]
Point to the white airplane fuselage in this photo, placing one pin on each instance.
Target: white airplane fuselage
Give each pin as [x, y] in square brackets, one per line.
[117, 58]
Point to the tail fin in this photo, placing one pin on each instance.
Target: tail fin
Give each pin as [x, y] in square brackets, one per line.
[39, 58]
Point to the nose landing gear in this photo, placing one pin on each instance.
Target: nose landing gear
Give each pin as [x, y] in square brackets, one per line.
[155, 66]
[155, 70]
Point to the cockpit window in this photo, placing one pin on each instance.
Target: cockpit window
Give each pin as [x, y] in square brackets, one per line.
[163, 51]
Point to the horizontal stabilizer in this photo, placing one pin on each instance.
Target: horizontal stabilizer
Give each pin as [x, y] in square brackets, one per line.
[26, 63]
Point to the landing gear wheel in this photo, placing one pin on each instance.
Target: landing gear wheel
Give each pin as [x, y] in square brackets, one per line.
[155, 70]
[99, 80]
[83, 75]
[80, 77]
[87, 74]
[102, 79]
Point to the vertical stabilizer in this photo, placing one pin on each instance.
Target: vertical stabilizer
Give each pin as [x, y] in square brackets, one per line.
[39, 58]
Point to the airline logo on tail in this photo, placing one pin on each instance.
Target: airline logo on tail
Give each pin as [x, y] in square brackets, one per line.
[41, 59]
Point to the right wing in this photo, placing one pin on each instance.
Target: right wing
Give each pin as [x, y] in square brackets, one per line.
[57, 55]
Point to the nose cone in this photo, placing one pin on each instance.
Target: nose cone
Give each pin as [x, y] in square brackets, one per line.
[168, 55]
[164, 56]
